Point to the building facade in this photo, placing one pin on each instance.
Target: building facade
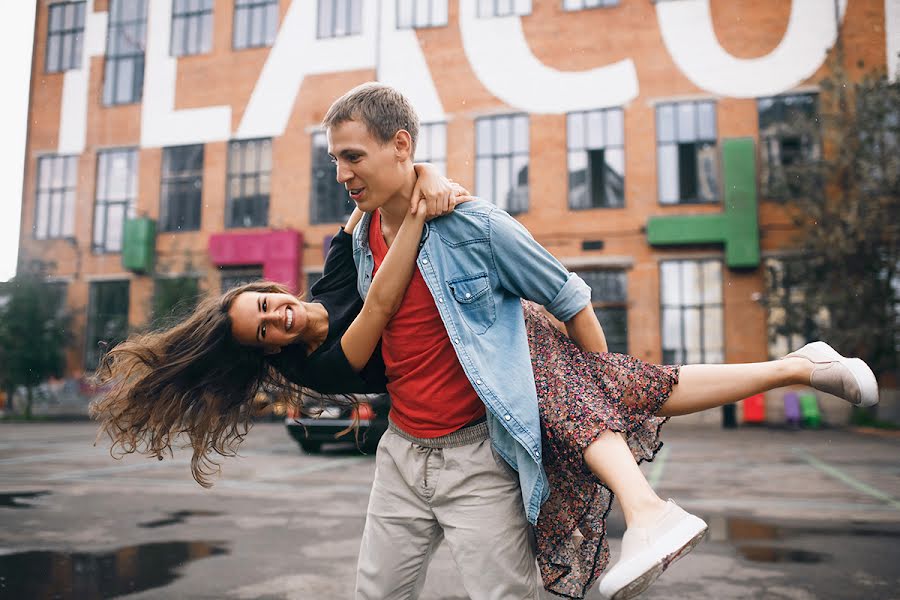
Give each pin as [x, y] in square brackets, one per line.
[174, 146]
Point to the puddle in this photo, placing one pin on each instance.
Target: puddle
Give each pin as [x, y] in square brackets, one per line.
[770, 554]
[43, 575]
[178, 517]
[15, 499]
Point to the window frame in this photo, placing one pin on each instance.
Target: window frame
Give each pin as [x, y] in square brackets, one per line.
[771, 174]
[71, 61]
[269, 30]
[582, 4]
[326, 31]
[413, 12]
[514, 206]
[68, 191]
[322, 173]
[681, 355]
[244, 175]
[92, 339]
[487, 9]
[608, 304]
[183, 177]
[587, 147]
[203, 18]
[239, 275]
[103, 204]
[113, 60]
[697, 141]
[182, 305]
[426, 134]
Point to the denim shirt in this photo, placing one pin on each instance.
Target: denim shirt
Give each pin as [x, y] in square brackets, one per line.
[478, 262]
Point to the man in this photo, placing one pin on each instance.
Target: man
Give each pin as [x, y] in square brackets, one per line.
[458, 368]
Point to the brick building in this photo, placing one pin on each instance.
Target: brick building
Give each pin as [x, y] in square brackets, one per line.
[173, 145]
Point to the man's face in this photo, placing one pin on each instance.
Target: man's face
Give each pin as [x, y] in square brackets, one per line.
[371, 171]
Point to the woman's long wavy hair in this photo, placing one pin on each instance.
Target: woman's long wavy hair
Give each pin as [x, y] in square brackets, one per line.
[194, 379]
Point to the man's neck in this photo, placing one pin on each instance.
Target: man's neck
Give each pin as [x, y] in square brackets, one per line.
[395, 209]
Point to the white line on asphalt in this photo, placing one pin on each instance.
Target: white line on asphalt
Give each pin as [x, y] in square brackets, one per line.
[854, 483]
[31, 458]
[658, 465]
[93, 473]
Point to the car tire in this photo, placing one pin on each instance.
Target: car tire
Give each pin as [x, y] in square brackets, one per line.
[311, 446]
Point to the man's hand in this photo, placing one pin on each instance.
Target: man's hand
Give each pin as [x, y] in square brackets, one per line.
[439, 194]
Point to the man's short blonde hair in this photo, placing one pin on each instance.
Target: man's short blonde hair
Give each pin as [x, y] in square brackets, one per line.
[382, 109]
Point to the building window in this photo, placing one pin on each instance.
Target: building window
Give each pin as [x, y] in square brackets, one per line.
[182, 188]
[788, 141]
[789, 323]
[609, 297]
[174, 298]
[583, 4]
[255, 23]
[123, 78]
[692, 320]
[232, 277]
[191, 27]
[686, 152]
[249, 178]
[339, 18]
[107, 319]
[501, 161]
[65, 35]
[330, 201]
[596, 142]
[115, 199]
[421, 13]
[431, 147]
[57, 179]
[503, 8]
[311, 278]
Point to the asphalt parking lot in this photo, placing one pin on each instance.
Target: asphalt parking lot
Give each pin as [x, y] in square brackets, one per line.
[795, 515]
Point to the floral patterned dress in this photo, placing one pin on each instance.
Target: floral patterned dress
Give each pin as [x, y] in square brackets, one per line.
[581, 395]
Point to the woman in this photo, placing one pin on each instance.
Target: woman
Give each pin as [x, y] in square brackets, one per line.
[602, 411]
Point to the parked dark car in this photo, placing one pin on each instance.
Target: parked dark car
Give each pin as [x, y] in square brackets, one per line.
[312, 432]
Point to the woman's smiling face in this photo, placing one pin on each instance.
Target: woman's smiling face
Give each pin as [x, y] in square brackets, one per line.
[267, 320]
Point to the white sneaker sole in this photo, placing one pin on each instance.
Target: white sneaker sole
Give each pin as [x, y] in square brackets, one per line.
[865, 378]
[672, 546]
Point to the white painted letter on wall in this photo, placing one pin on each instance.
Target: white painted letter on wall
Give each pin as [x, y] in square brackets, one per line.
[688, 33]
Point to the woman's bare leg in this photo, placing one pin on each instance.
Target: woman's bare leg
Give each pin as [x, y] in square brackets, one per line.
[611, 460]
[706, 386]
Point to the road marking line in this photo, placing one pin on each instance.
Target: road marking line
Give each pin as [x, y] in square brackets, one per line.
[847, 479]
[658, 465]
[92, 473]
[48, 457]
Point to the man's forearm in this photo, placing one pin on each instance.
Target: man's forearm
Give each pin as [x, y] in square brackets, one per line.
[584, 329]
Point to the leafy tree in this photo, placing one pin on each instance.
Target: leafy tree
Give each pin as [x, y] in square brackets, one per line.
[34, 332]
[845, 201]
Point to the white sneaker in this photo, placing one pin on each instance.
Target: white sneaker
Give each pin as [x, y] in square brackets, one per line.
[648, 551]
[847, 378]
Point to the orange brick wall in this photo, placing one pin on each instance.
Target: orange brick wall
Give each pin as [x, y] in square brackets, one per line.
[565, 41]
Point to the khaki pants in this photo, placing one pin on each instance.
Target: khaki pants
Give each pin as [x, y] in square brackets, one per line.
[464, 495]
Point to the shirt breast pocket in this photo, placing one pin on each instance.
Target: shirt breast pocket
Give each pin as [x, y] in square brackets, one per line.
[473, 296]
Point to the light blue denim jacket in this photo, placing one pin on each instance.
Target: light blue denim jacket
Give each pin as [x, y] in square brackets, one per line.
[478, 262]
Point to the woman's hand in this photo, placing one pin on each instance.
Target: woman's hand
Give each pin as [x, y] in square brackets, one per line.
[435, 193]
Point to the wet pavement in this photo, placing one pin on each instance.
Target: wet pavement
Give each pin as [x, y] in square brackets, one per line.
[794, 515]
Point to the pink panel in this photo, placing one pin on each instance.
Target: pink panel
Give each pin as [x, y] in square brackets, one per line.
[279, 252]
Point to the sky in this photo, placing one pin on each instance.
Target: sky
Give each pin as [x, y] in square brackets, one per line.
[16, 37]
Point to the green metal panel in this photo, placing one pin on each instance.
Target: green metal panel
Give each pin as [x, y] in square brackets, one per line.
[742, 221]
[737, 227]
[139, 244]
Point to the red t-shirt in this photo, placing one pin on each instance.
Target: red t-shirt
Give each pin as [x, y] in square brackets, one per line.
[430, 393]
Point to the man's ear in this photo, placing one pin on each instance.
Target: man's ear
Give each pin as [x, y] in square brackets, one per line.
[403, 145]
[269, 350]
